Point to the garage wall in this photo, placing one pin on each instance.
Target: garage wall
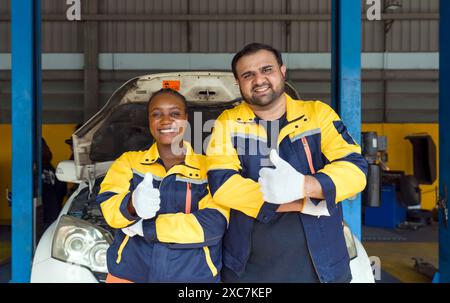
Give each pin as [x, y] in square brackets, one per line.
[385, 99]
[414, 101]
[219, 36]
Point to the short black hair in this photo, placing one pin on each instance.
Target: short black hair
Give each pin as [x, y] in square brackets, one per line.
[169, 91]
[251, 49]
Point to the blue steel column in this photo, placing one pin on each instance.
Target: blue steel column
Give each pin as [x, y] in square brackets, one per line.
[346, 83]
[26, 131]
[444, 136]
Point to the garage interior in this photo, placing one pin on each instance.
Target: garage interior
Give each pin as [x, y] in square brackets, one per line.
[391, 90]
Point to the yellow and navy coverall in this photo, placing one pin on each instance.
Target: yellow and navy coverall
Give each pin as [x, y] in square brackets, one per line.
[183, 242]
[315, 142]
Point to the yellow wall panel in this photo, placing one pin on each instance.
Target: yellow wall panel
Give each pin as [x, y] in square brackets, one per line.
[54, 135]
[5, 171]
[400, 151]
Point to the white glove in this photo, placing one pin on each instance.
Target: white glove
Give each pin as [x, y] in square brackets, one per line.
[318, 210]
[282, 184]
[135, 229]
[145, 198]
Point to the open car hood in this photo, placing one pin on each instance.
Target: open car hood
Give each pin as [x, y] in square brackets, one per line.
[122, 124]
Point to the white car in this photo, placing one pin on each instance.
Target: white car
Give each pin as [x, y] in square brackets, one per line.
[73, 248]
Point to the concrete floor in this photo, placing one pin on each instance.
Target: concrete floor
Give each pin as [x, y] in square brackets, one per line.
[396, 255]
[396, 258]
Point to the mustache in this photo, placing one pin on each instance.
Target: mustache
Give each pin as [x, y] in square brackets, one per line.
[261, 85]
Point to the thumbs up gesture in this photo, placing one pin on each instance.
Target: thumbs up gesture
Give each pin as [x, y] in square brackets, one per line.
[145, 198]
[282, 184]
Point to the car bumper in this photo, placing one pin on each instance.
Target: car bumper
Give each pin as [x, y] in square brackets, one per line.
[55, 271]
[361, 267]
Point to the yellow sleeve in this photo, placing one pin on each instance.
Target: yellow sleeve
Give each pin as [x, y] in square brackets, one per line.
[115, 193]
[228, 187]
[345, 174]
[203, 227]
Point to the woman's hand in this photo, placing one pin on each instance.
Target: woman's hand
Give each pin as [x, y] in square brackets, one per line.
[305, 206]
[135, 229]
[145, 198]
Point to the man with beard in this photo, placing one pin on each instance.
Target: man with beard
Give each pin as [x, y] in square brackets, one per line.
[281, 165]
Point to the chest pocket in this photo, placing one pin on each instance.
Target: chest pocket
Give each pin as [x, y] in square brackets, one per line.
[188, 201]
[248, 144]
[310, 143]
[303, 151]
[188, 194]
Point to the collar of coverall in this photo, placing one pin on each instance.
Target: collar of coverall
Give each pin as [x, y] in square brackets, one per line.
[191, 162]
[293, 111]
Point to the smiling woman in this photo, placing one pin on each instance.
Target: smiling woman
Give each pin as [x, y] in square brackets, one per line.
[158, 201]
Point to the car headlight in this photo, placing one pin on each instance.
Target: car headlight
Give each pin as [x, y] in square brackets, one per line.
[82, 243]
[350, 242]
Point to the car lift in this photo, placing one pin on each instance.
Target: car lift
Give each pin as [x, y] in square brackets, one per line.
[346, 84]
[26, 132]
[346, 99]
